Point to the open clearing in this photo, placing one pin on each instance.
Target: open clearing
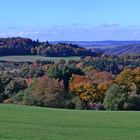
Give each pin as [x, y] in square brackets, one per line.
[36, 123]
[32, 58]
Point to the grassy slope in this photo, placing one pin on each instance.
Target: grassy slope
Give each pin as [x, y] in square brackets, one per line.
[33, 58]
[34, 123]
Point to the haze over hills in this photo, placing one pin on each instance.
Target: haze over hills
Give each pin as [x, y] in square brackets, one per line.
[109, 46]
[124, 49]
[100, 43]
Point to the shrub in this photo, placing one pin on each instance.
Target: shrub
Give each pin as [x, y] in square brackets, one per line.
[133, 103]
[78, 103]
[99, 106]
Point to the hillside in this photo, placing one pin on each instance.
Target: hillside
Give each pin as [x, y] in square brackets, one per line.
[126, 49]
[99, 43]
[26, 46]
[110, 46]
[34, 123]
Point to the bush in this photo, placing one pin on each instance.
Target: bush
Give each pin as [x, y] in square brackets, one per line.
[78, 103]
[133, 103]
[18, 97]
[8, 101]
[99, 106]
[95, 106]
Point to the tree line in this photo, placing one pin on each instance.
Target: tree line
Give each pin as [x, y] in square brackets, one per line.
[105, 82]
[25, 46]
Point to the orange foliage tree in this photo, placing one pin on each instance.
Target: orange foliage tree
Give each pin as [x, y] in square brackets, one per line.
[86, 89]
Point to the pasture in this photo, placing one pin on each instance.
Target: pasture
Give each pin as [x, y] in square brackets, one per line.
[36, 123]
[32, 58]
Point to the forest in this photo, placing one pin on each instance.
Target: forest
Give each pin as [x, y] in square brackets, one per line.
[26, 46]
[92, 83]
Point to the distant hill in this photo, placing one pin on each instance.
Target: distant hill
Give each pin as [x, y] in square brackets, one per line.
[124, 49]
[26, 46]
[110, 47]
[18, 42]
[99, 43]
[16, 46]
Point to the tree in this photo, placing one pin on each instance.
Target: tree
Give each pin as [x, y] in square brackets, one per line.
[85, 89]
[103, 87]
[126, 79]
[13, 87]
[115, 98]
[99, 76]
[54, 72]
[130, 79]
[45, 92]
[63, 72]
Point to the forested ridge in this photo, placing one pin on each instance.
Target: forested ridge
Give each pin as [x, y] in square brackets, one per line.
[25, 46]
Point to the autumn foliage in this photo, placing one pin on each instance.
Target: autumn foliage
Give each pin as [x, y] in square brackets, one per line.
[106, 82]
[89, 87]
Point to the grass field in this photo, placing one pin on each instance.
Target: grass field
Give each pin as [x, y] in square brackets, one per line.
[34, 123]
[32, 58]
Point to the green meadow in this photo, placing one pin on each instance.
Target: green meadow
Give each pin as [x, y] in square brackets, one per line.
[36, 123]
[32, 58]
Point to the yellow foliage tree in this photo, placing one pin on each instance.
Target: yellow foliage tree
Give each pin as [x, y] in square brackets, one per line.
[85, 89]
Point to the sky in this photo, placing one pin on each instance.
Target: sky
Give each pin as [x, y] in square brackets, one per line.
[71, 20]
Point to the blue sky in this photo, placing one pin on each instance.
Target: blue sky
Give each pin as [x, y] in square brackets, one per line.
[81, 20]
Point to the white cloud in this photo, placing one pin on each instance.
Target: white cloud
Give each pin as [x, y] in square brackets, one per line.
[23, 33]
[110, 31]
[111, 24]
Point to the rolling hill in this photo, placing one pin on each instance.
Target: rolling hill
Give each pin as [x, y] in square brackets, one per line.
[110, 46]
[126, 49]
[26, 46]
